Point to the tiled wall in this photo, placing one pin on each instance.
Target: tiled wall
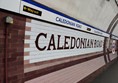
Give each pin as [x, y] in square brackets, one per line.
[14, 48]
[71, 74]
[63, 70]
[1, 49]
[41, 64]
[43, 67]
[60, 35]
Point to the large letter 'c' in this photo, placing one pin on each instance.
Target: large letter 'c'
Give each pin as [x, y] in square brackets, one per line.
[37, 41]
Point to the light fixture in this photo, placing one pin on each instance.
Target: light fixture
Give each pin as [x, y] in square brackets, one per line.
[9, 20]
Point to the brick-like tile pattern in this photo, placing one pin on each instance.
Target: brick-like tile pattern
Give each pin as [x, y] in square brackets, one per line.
[27, 37]
[92, 76]
[27, 45]
[15, 48]
[1, 55]
[40, 69]
[27, 28]
[71, 74]
[28, 20]
[26, 62]
[2, 38]
[26, 53]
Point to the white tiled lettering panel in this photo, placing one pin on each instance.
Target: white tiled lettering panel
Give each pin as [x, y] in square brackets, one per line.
[38, 27]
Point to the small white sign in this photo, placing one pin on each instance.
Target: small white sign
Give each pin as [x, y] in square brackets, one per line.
[113, 46]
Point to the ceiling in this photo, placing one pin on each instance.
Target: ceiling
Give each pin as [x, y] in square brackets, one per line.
[98, 13]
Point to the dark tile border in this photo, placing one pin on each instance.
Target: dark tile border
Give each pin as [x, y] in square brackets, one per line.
[12, 53]
[92, 76]
[47, 70]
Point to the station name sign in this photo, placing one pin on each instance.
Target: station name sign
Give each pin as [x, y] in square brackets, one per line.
[36, 10]
[65, 21]
[48, 41]
[69, 42]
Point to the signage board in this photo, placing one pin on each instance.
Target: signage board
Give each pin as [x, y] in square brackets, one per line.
[48, 41]
[53, 16]
[33, 9]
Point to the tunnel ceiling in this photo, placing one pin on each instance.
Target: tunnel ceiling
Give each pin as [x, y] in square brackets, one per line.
[98, 13]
